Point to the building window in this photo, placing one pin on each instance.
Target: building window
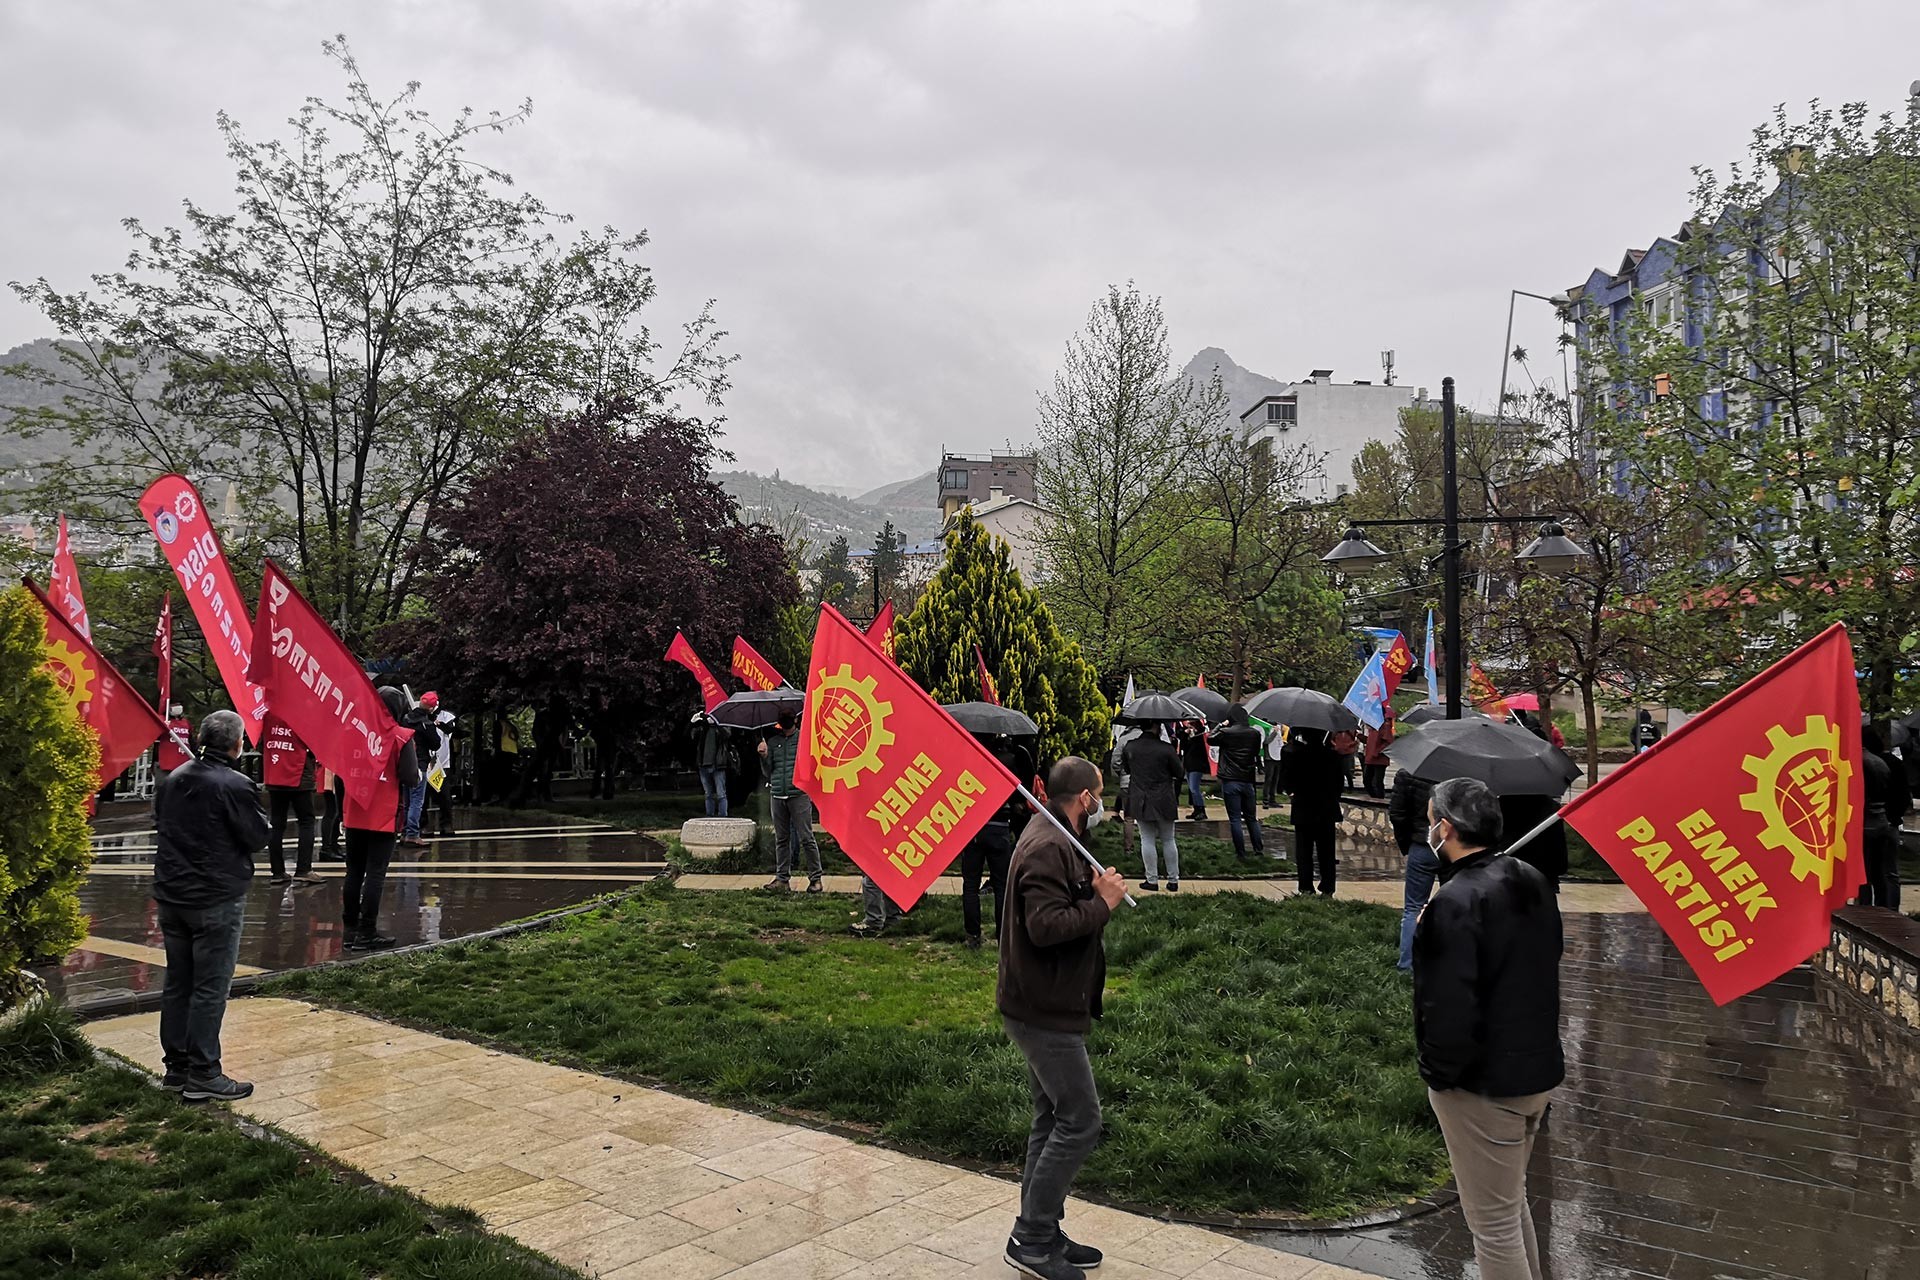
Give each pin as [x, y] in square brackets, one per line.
[954, 479]
[1283, 412]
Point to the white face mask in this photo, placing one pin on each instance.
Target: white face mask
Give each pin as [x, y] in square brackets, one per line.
[1097, 814]
[1433, 837]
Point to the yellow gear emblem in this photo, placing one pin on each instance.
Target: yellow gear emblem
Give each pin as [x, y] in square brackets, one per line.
[1801, 788]
[69, 669]
[849, 727]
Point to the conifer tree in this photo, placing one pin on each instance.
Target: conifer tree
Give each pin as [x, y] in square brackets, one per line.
[978, 598]
[49, 760]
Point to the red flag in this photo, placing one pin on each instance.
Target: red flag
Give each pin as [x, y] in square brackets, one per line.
[682, 652]
[881, 632]
[102, 697]
[1200, 682]
[1741, 830]
[63, 584]
[1399, 662]
[988, 691]
[900, 785]
[163, 651]
[317, 686]
[179, 520]
[753, 669]
[1484, 695]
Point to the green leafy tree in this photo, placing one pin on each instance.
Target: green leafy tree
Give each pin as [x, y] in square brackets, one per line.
[1767, 388]
[375, 316]
[887, 565]
[1118, 431]
[49, 760]
[835, 581]
[978, 598]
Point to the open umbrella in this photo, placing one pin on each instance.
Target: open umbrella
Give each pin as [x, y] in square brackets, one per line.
[1511, 761]
[1521, 701]
[985, 717]
[1206, 701]
[1299, 708]
[1899, 732]
[1428, 712]
[1149, 708]
[758, 708]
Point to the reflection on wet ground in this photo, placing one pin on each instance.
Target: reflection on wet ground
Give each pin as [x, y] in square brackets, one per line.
[502, 866]
[1691, 1141]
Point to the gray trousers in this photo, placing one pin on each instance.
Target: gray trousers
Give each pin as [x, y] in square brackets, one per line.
[792, 831]
[1162, 832]
[1489, 1141]
[880, 911]
[1066, 1125]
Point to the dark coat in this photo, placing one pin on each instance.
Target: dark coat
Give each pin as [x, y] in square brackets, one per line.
[1313, 772]
[1486, 980]
[1193, 753]
[209, 827]
[1407, 809]
[1239, 753]
[1546, 852]
[1052, 965]
[1154, 779]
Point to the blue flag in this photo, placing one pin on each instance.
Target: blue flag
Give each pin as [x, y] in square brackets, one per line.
[1433, 677]
[1368, 697]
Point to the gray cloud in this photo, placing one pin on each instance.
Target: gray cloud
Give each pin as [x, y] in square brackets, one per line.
[904, 209]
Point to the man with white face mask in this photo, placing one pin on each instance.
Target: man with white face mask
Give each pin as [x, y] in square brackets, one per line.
[1052, 969]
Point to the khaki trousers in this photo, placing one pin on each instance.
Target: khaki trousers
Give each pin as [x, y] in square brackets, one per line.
[1490, 1141]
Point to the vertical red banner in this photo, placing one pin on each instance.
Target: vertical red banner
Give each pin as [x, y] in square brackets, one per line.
[63, 584]
[180, 522]
[682, 652]
[101, 696]
[163, 652]
[881, 630]
[752, 669]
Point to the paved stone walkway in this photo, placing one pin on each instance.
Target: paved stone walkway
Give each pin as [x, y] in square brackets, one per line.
[629, 1183]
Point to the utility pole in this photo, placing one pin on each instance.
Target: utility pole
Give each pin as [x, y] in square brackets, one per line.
[1450, 524]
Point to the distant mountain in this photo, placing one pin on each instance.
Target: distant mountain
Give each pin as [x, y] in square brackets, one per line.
[20, 456]
[1244, 387]
[902, 493]
[824, 516]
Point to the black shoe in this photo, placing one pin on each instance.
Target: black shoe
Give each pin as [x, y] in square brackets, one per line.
[1150, 886]
[1083, 1256]
[1045, 1262]
[280, 877]
[331, 853]
[814, 886]
[448, 834]
[1173, 886]
[973, 942]
[370, 942]
[219, 1089]
[174, 1080]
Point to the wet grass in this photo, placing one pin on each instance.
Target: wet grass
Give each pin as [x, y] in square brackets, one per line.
[102, 1175]
[1254, 1056]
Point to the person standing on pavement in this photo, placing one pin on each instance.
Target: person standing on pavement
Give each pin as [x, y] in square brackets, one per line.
[1193, 755]
[792, 807]
[1276, 749]
[1313, 775]
[426, 746]
[710, 757]
[1153, 801]
[287, 768]
[1486, 1016]
[1885, 805]
[1374, 761]
[1052, 971]
[1407, 811]
[208, 827]
[370, 834]
[1240, 746]
[991, 849]
[444, 726]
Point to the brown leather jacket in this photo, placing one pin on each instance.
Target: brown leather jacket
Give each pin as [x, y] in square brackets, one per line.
[1052, 966]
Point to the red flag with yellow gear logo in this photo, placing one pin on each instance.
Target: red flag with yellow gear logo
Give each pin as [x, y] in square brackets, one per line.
[105, 702]
[898, 783]
[1741, 830]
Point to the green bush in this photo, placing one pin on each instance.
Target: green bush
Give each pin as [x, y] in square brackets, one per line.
[49, 760]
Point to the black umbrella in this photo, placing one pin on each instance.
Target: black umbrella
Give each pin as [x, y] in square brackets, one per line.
[1899, 732]
[758, 708]
[1210, 704]
[1427, 712]
[1509, 759]
[1150, 708]
[1299, 708]
[985, 717]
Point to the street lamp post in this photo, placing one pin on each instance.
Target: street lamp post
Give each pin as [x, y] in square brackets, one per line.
[1552, 551]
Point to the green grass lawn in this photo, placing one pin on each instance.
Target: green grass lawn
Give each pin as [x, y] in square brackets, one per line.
[1254, 1056]
[102, 1175]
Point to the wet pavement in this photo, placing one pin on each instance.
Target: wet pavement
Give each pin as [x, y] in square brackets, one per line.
[502, 866]
[1696, 1142]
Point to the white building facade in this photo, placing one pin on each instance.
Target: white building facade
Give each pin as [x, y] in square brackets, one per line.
[1332, 420]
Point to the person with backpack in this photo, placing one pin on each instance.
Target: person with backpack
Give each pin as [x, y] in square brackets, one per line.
[1644, 732]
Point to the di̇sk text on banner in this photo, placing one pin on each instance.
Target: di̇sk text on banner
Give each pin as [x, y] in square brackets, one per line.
[1741, 832]
[898, 783]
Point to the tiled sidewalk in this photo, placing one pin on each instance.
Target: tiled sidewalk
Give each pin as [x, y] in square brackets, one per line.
[630, 1183]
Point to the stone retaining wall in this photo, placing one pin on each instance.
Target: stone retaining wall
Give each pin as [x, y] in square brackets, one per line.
[1875, 959]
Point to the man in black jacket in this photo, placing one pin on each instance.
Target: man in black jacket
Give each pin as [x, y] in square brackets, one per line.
[209, 827]
[1052, 969]
[1240, 747]
[1486, 1016]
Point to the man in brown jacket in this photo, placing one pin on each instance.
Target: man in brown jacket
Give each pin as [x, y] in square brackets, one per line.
[1052, 969]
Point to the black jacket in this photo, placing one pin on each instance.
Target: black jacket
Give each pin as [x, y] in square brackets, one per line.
[1887, 798]
[709, 745]
[1239, 753]
[1052, 966]
[1407, 809]
[1546, 852]
[1312, 772]
[1154, 779]
[209, 827]
[1486, 980]
[1193, 753]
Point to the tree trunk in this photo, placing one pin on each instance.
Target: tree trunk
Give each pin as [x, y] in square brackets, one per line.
[1592, 716]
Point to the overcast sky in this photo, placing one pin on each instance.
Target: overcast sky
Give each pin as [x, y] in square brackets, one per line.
[905, 209]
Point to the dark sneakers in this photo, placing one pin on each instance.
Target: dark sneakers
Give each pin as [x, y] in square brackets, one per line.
[1064, 1260]
[174, 1081]
[221, 1088]
[1083, 1256]
[369, 942]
